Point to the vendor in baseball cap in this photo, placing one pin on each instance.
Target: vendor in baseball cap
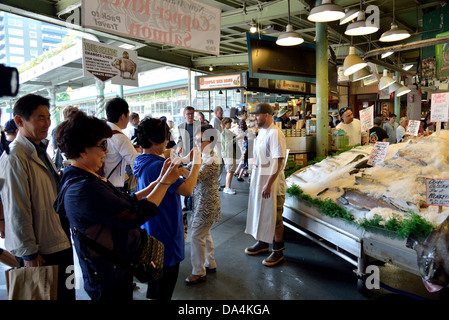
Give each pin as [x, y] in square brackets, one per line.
[10, 126]
[263, 108]
[343, 110]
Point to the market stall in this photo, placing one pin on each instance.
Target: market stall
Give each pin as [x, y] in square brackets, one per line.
[363, 212]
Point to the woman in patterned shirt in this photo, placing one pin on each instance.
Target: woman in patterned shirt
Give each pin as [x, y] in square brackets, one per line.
[206, 209]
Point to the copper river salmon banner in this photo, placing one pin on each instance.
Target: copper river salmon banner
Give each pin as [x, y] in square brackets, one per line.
[188, 24]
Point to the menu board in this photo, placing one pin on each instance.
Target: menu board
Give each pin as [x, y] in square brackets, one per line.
[437, 192]
[378, 153]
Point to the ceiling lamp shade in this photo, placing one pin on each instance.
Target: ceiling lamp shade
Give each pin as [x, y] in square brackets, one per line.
[386, 54]
[394, 34]
[385, 81]
[350, 14]
[326, 11]
[360, 27]
[253, 27]
[289, 37]
[403, 90]
[361, 74]
[395, 86]
[352, 63]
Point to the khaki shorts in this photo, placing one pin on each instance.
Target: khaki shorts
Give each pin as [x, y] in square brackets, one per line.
[279, 209]
[229, 165]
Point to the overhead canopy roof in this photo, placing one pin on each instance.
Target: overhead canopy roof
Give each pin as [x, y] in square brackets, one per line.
[237, 15]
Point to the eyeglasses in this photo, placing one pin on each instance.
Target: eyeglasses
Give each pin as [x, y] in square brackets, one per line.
[103, 145]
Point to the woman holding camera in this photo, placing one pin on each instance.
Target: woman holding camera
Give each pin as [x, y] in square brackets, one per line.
[168, 227]
[96, 209]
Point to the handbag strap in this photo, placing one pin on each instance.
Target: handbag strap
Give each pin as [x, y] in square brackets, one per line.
[100, 249]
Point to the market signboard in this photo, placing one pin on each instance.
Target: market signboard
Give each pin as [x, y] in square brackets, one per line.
[366, 119]
[440, 107]
[378, 153]
[413, 128]
[106, 62]
[189, 24]
[228, 81]
[437, 192]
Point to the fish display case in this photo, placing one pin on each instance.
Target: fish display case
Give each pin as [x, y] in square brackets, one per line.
[350, 242]
[391, 192]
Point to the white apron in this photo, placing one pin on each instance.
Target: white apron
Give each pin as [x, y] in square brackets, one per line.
[261, 218]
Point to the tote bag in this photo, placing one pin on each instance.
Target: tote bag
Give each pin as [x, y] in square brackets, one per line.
[32, 283]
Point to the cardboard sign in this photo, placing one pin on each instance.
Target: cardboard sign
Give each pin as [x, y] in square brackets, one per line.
[106, 62]
[366, 118]
[189, 24]
[437, 192]
[413, 127]
[378, 153]
[440, 107]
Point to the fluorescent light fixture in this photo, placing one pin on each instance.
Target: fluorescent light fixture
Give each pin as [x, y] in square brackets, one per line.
[352, 63]
[385, 81]
[325, 12]
[386, 54]
[350, 14]
[289, 37]
[403, 90]
[394, 34]
[360, 27]
[407, 67]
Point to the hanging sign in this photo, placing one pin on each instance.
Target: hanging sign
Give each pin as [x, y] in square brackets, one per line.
[220, 82]
[366, 119]
[189, 24]
[106, 62]
[413, 128]
[440, 107]
[437, 192]
[378, 153]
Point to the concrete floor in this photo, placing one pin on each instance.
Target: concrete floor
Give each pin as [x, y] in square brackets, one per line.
[309, 272]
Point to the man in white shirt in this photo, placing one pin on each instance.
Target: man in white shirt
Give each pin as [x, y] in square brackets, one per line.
[267, 190]
[216, 120]
[400, 131]
[134, 120]
[121, 151]
[350, 125]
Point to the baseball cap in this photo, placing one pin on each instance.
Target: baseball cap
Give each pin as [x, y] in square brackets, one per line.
[377, 120]
[343, 110]
[10, 126]
[263, 108]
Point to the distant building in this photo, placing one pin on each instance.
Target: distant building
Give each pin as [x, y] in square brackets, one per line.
[23, 39]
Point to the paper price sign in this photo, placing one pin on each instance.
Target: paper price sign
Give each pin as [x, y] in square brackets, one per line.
[437, 192]
[366, 119]
[413, 127]
[378, 153]
[440, 107]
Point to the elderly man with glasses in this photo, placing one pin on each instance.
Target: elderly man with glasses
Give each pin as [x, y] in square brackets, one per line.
[350, 125]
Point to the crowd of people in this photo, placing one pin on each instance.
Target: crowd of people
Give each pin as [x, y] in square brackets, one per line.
[48, 206]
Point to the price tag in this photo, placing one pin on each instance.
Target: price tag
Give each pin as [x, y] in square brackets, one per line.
[437, 192]
[378, 153]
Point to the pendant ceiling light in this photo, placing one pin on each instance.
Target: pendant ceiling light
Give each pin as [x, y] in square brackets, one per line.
[289, 37]
[253, 27]
[350, 14]
[386, 54]
[326, 11]
[352, 63]
[385, 81]
[403, 90]
[361, 74]
[394, 87]
[360, 27]
[394, 34]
